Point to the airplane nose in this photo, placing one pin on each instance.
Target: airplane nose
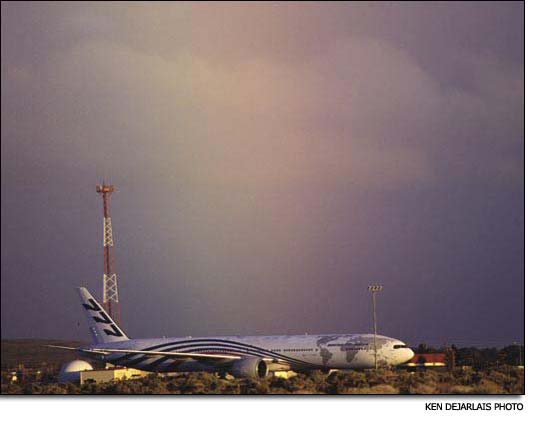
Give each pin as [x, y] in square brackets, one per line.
[409, 354]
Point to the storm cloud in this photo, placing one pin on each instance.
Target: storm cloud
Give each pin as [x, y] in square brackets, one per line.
[271, 160]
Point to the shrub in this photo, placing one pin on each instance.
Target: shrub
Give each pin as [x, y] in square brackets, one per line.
[423, 389]
[461, 389]
[377, 389]
[488, 387]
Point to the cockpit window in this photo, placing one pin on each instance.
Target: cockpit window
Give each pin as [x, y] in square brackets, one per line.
[399, 346]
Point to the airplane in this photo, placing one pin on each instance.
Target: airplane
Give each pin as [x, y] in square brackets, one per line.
[239, 356]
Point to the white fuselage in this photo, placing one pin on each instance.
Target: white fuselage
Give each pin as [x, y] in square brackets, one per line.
[298, 352]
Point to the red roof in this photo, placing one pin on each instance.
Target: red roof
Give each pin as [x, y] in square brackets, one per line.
[429, 358]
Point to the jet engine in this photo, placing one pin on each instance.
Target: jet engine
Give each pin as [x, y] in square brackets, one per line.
[251, 367]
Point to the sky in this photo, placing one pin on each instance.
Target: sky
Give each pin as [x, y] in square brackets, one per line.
[271, 160]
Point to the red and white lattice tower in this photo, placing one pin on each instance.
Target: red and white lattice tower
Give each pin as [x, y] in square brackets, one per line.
[110, 294]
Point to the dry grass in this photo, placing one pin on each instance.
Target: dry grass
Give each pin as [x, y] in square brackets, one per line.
[499, 380]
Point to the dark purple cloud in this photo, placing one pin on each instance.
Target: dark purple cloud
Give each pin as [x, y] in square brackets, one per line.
[271, 161]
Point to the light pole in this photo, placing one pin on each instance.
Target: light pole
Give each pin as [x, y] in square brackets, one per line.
[374, 289]
[519, 352]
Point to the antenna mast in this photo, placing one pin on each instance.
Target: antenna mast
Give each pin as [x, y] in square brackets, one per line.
[110, 295]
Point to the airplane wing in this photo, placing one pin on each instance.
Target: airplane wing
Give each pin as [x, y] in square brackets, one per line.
[169, 354]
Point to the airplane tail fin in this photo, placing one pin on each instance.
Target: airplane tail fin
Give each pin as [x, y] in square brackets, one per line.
[101, 326]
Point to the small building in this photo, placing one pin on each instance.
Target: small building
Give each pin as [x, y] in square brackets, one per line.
[108, 375]
[70, 372]
[427, 360]
[284, 374]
